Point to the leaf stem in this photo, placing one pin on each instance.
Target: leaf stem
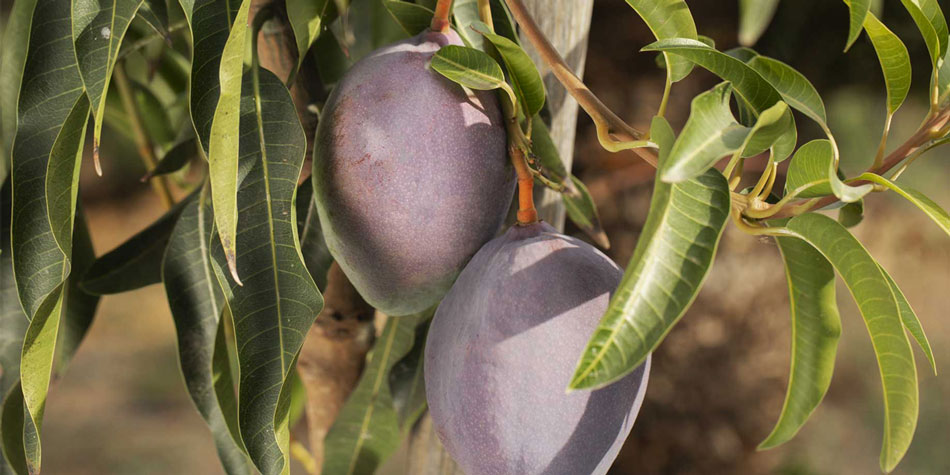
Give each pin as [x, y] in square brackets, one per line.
[484, 13]
[142, 142]
[440, 21]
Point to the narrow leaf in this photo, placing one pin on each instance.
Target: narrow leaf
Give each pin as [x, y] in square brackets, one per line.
[918, 199]
[745, 81]
[137, 262]
[196, 304]
[816, 327]
[367, 429]
[98, 27]
[580, 207]
[16, 38]
[668, 267]
[930, 21]
[910, 321]
[879, 307]
[894, 59]
[754, 18]
[471, 68]
[858, 13]
[669, 19]
[524, 75]
[273, 312]
[411, 17]
[307, 20]
[174, 159]
[793, 86]
[225, 136]
[313, 246]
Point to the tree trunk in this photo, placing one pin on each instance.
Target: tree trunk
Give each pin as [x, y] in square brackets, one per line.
[566, 23]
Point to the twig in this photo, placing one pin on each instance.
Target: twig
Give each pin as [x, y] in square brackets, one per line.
[142, 142]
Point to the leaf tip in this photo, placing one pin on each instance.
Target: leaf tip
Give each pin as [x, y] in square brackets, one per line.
[600, 238]
[232, 266]
[95, 156]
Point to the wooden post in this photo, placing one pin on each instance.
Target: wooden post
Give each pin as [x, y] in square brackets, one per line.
[566, 23]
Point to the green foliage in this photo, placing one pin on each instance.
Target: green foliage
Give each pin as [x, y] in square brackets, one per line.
[669, 19]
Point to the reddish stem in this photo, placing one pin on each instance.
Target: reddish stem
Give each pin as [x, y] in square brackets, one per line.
[440, 21]
[527, 214]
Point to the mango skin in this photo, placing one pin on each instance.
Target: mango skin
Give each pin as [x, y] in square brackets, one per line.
[410, 173]
[501, 351]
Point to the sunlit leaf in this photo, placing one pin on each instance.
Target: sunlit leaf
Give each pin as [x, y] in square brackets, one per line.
[524, 75]
[879, 307]
[669, 19]
[196, 304]
[668, 267]
[932, 25]
[98, 27]
[307, 19]
[894, 59]
[745, 81]
[367, 429]
[16, 35]
[754, 18]
[471, 68]
[137, 262]
[816, 327]
[411, 17]
[927, 205]
[811, 174]
[225, 137]
[279, 301]
[911, 322]
[858, 13]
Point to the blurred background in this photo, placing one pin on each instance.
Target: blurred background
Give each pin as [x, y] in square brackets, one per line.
[719, 378]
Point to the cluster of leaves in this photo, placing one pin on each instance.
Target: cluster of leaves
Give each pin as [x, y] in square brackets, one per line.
[242, 257]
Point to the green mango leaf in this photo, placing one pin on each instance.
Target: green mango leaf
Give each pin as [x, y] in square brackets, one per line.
[98, 27]
[527, 82]
[465, 12]
[911, 322]
[816, 327]
[471, 68]
[580, 207]
[710, 133]
[407, 382]
[51, 125]
[16, 36]
[225, 137]
[137, 262]
[174, 159]
[11, 430]
[668, 267]
[932, 25]
[754, 19]
[196, 304]
[12, 319]
[308, 18]
[313, 246]
[851, 214]
[411, 17]
[155, 14]
[746, 83]
[793, 86]
[669, 19]
[894, 59]
[367, 431]
[812, 174]
[858, 13]
[543, 148]
[878, 305]
[918, 199]
[273, 312]
[210, 25]
[80, 305]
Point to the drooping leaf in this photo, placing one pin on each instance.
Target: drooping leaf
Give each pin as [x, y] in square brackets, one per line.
[98, 27]
[524, 75]
[668, 267]
[745, 81]
[313, 246]
[411, 17]
[279, 301]
[12, 319]
[367, 429]
[932, 25]
[52, 115]
[13, 50]
[307, 19]
[471, 68]
[137, 262]
[858, 13]
[894, 59]
[754, 18]
[196, 304]
[223, 145]
[210, 25]
[816, 327]
[918, 199]
[879, 307]
[793, 86]
[11, 430]
[580, 207]
[710, 133]
[669, 19]
[80, 305]
[911, 322]
[545, 151]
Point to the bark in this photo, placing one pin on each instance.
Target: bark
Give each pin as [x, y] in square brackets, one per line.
[566, 23]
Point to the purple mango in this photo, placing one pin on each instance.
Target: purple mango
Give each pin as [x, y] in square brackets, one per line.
[410, 173]
[501, 351]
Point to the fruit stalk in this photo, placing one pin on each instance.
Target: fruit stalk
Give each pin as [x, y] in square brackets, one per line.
[527, 213]
[440, 21]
